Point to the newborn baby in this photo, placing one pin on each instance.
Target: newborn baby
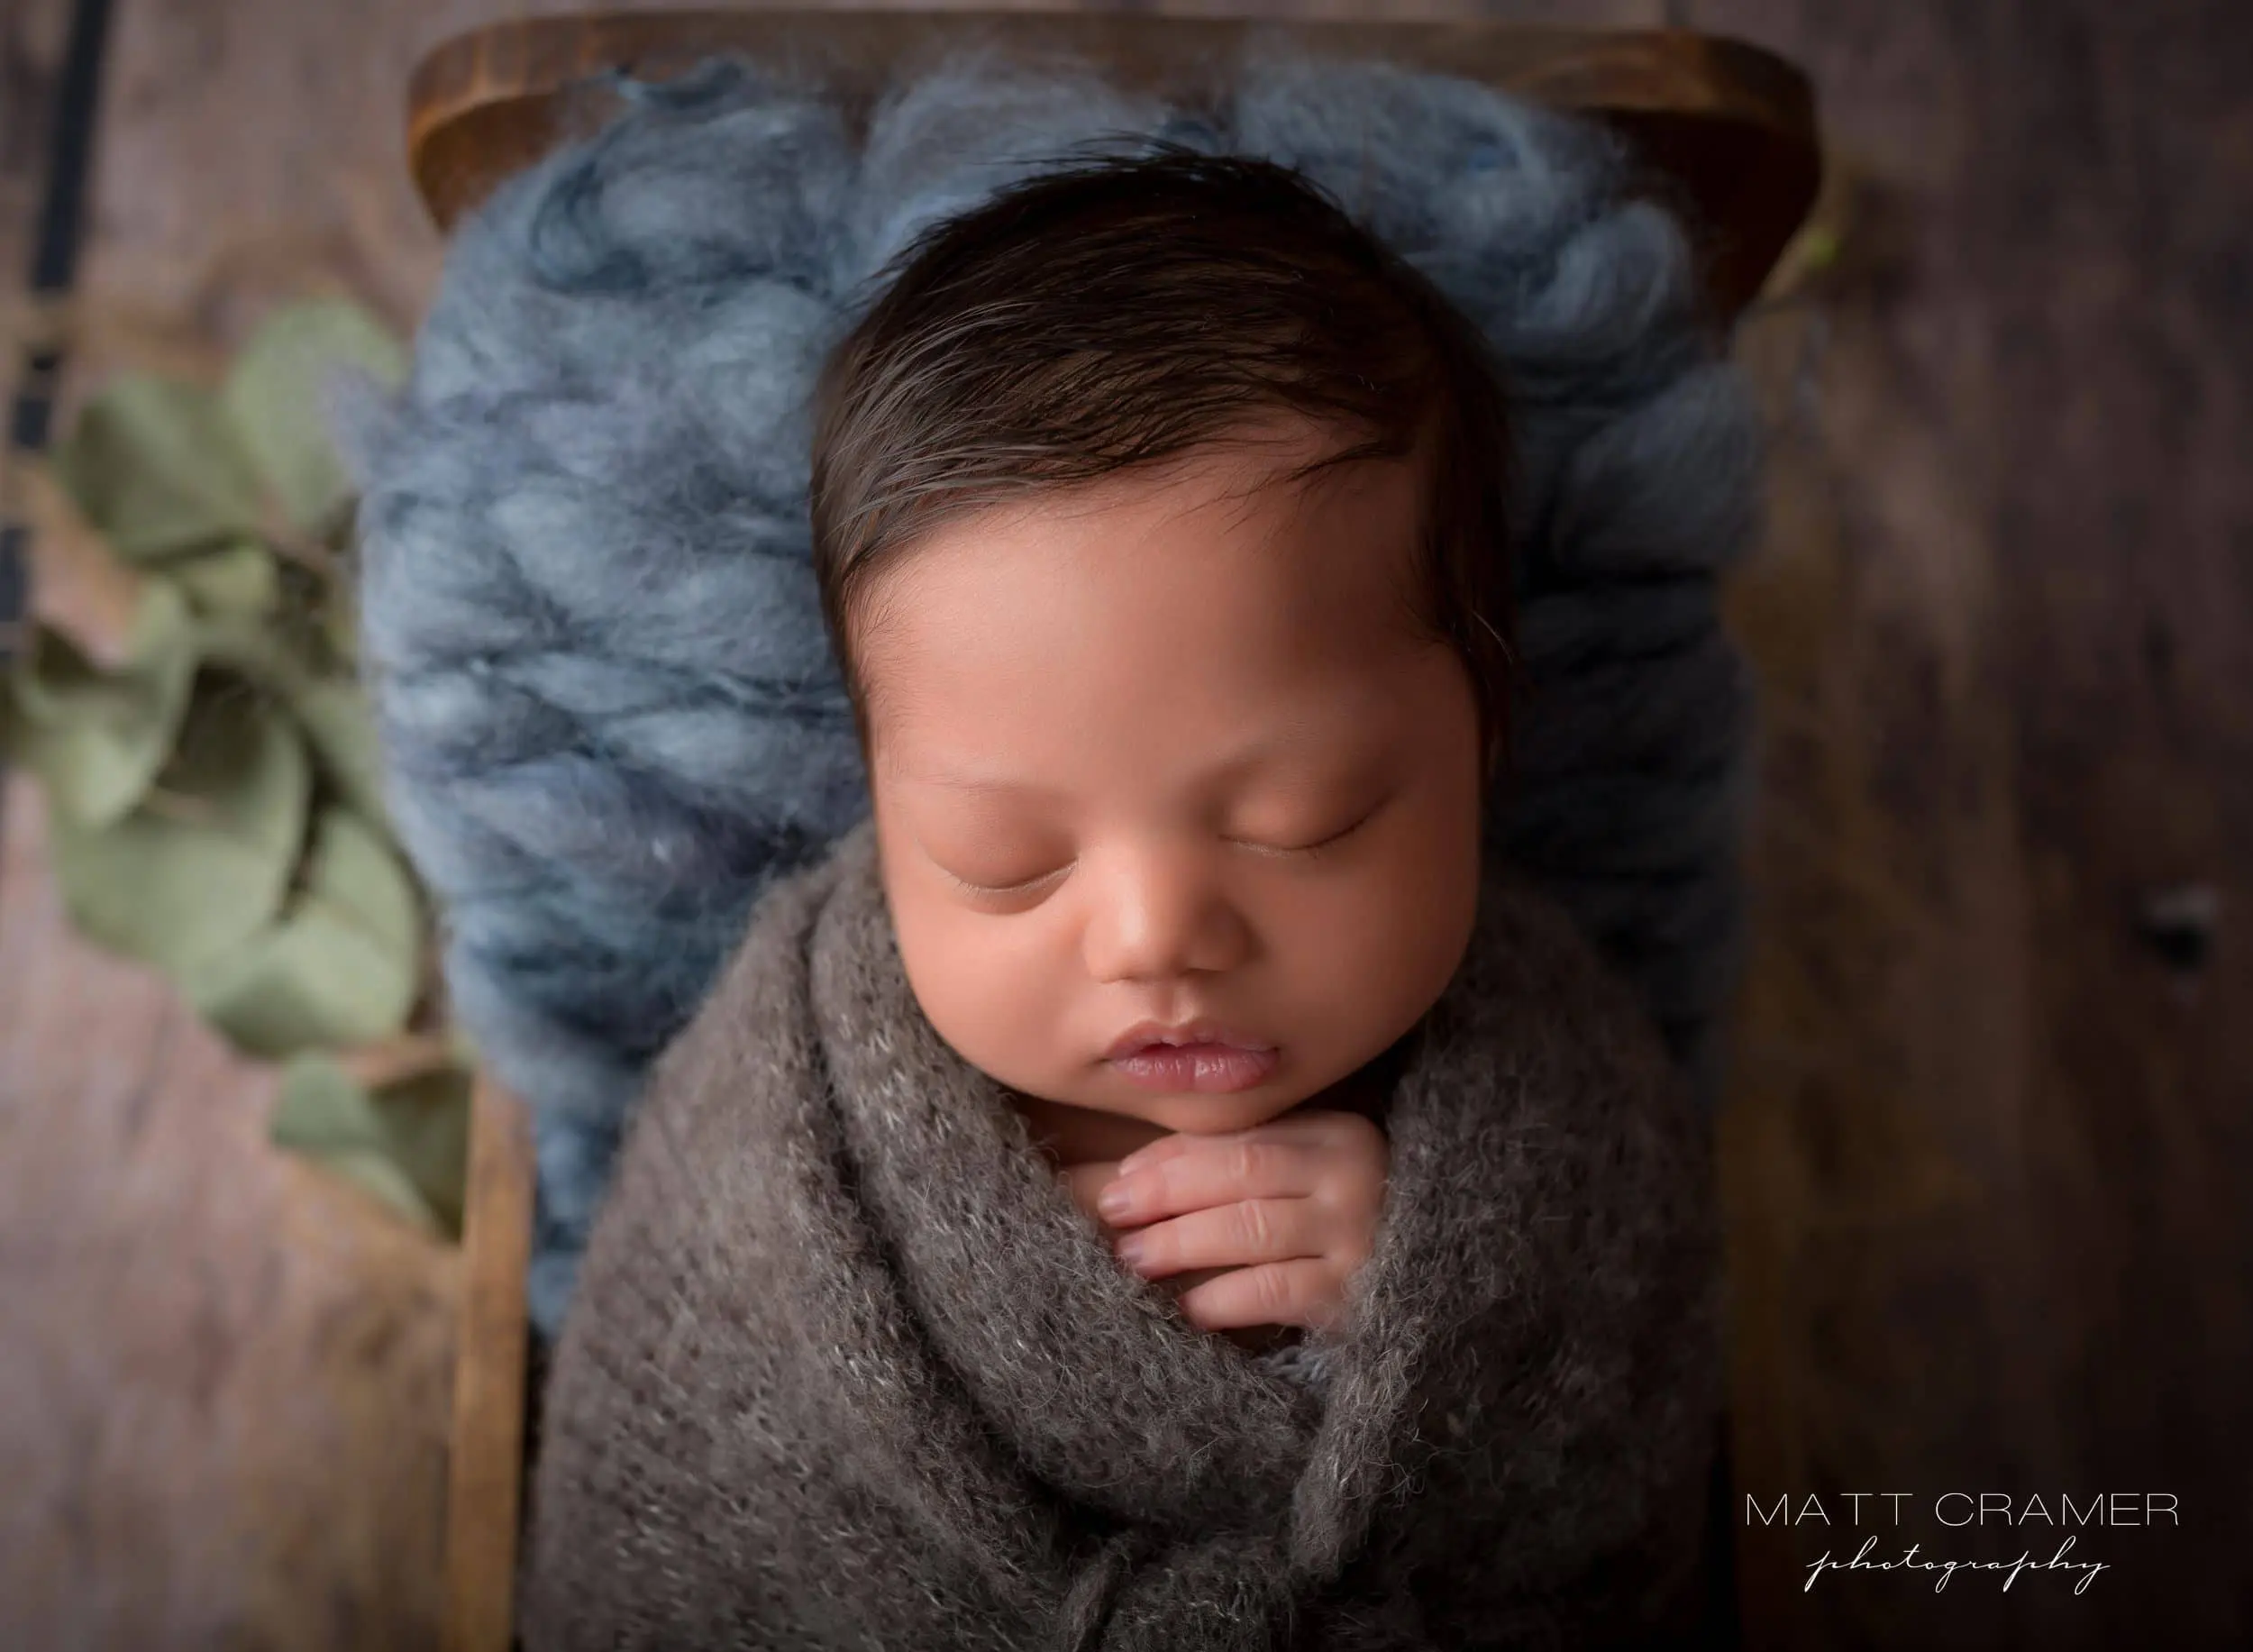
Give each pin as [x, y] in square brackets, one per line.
[1159, 524]
[1148, 743]
[1143, 755]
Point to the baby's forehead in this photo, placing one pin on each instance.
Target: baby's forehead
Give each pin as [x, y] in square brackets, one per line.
[1199, 602]
[1136, 726]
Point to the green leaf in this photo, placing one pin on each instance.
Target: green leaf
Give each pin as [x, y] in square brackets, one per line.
[156, 466]
[407, 1142]
[243, 578]
[255, 649]
[96, 739]
[340, 617]
[379, 1175]
[203, 862]
[323, 1114]
[330, 707]
[462, 1045]
[326, 1114]
[426, 1122]
[342, 966]
[321, 1107]
[335, 716]
[274, 396]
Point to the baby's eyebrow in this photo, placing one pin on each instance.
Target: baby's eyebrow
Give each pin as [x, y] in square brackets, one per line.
[1251, 752]
[966, 780]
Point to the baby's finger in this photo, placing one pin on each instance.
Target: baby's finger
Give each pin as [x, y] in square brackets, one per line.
[1217, 1170]
[1158, 1152]
[1251, 1230]
[1303, 1293]
[1313, 1127]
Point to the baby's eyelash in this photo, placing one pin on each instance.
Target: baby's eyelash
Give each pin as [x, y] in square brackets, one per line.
[1026, 887]
[1325, 845]
[1308, 851]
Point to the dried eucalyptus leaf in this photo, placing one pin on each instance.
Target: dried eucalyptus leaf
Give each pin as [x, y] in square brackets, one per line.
[155, 465]
[253, 650]
[323, 1113]
[426, 1125]
[243, 578]
[355, 871]
[96, 738]
[319, 1106]
[339, 619]
[275, 395]
[203, 863]
[341, 965]
[332, 708]
[336, 717]
[241, 768]
[373, 1170]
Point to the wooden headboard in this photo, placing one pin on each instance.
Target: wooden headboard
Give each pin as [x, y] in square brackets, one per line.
[1729, 128]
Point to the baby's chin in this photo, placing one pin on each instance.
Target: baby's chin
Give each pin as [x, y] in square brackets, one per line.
[1195, 1114]
[1187, 1112]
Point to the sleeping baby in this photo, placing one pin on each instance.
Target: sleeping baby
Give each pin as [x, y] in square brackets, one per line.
[1158, 1183]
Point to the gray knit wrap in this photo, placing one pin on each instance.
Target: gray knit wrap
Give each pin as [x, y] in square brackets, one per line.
[852, 1370]
[609, 710]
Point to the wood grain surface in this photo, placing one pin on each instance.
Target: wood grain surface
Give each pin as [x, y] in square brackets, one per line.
[485, 1484]
[1728, 128]
[1987, 1150]
[224, 1384]
[32, 45]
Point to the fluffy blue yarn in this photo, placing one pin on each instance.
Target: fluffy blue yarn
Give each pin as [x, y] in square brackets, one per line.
[592, 632]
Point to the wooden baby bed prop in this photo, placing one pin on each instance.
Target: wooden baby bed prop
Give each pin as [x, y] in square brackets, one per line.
[485, 1468]
[1729, 127]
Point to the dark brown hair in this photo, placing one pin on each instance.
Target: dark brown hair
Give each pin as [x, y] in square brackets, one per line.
[1124, 311]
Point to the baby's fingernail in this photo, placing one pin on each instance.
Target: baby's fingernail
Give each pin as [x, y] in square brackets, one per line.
[1130, 1250]
[1114, 1200]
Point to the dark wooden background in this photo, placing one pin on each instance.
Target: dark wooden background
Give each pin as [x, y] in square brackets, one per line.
[1987, 1148]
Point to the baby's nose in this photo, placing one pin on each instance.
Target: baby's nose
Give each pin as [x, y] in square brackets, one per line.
[1159, 916]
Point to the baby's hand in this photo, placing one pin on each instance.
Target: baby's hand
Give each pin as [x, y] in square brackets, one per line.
[1288, 1209]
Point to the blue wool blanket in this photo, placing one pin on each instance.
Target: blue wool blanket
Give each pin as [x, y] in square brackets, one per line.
[608, 707]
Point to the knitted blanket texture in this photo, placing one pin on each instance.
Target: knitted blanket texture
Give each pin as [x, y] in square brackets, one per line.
[592, 635]
[849, 1368]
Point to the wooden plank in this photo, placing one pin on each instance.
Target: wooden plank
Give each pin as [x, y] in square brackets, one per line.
[1985, 1151]
[204, 213]
[1727, 125]
[485, 1486]
[34, 47]
[222, 1389]
[224, 1381]
[31, 42]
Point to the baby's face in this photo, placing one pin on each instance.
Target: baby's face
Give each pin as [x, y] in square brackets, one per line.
[1108, 726]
